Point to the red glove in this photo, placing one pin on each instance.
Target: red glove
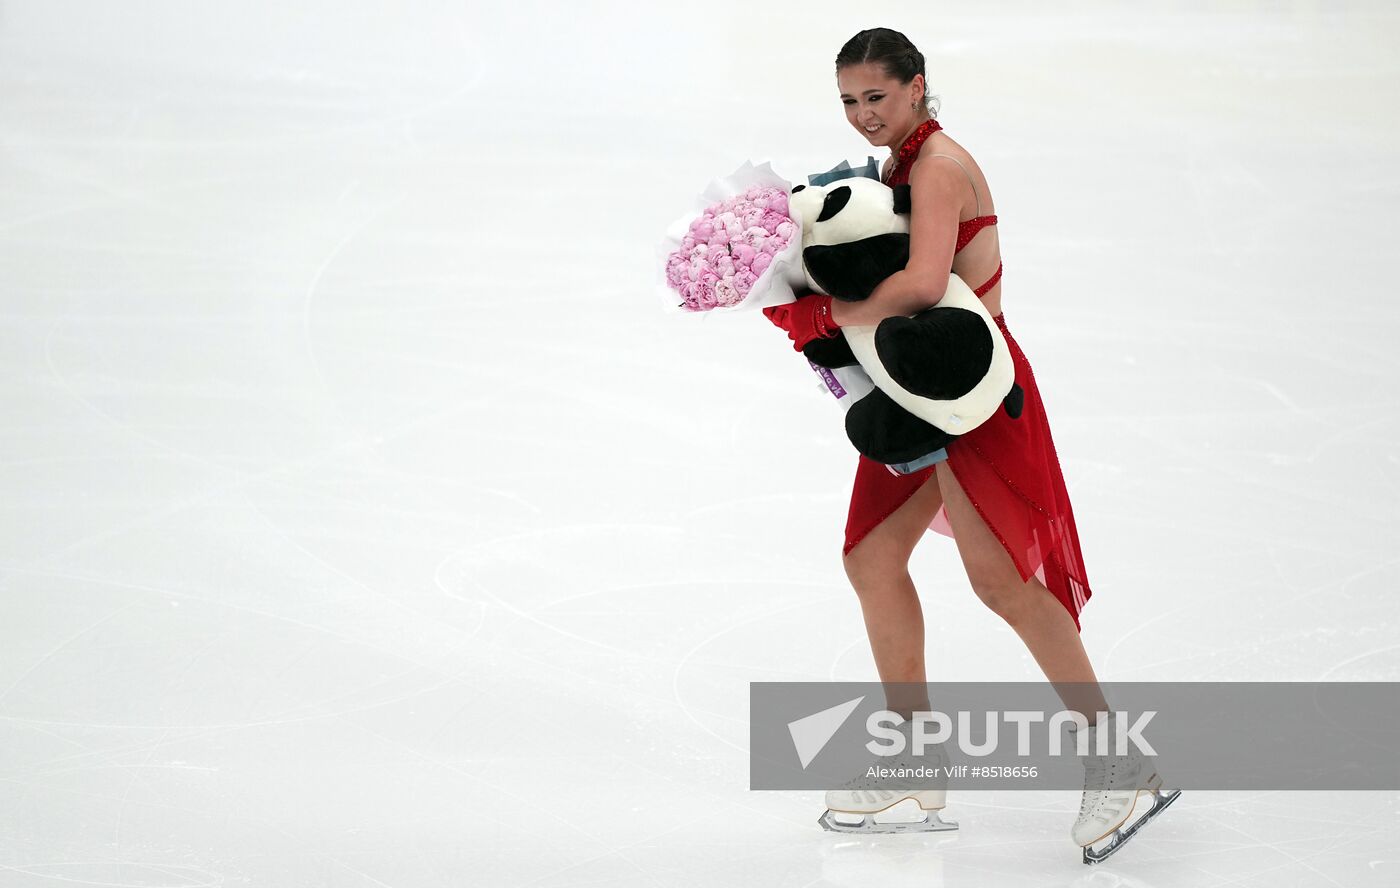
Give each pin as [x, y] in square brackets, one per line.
[806, 319]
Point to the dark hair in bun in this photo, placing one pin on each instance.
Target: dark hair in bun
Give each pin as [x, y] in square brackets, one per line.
[893, 52]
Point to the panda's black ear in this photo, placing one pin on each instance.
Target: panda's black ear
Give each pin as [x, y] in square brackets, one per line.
[902, 201]
[798, 188]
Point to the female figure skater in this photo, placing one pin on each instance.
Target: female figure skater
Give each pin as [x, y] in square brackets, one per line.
[997, 490]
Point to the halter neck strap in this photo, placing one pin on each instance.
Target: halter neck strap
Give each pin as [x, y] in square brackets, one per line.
[910, 149]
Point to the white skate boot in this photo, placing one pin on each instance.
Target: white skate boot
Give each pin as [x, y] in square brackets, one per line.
[853, 807]
[1113, 787]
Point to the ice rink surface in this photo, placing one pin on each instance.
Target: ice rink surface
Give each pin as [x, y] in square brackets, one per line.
[366, 523]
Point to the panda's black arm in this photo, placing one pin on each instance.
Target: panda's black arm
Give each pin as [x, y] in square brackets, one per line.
[889, 434]
[830, 353]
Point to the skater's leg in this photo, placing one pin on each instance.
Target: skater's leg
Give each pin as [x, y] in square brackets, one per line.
[1028, 607]
[878, 568]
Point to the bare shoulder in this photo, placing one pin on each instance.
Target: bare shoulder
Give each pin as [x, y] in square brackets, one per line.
[955, 174]
[929, 175]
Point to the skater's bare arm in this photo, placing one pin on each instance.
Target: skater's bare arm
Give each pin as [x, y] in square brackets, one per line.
[935, 199]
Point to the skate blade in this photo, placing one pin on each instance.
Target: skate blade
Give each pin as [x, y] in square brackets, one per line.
[1119, 836]
[867, 825]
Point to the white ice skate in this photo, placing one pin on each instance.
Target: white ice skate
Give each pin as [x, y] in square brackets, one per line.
[853, 807]
[1113, 787]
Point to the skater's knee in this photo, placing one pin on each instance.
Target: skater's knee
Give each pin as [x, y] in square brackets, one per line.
[874, 564]
[1007, 598]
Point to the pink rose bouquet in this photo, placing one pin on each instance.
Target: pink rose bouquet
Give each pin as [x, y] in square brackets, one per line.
[728, 247]
[742, 249]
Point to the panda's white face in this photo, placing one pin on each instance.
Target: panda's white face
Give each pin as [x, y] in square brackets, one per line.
[845, 211]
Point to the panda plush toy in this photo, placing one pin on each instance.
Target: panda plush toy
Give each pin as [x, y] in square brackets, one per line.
[937, 374]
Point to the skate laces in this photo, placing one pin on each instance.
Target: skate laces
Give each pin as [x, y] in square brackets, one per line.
[1100, 776]
[1097, 770]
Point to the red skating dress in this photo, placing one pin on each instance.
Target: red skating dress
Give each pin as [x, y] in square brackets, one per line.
[1008, 467]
